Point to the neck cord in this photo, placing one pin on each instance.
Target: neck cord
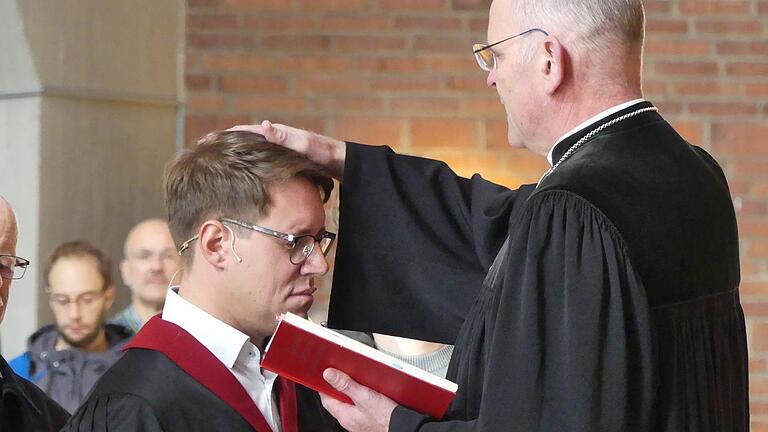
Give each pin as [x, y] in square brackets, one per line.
[591, 135]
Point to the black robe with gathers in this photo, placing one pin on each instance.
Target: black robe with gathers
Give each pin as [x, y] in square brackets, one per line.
[605, 299]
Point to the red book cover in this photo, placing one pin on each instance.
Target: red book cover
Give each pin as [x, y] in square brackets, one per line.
[301, 350]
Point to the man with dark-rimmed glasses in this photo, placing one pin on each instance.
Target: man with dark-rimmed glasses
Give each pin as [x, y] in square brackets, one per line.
[23, 407]
[248, 220]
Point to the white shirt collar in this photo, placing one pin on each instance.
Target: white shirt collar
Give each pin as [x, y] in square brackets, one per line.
[224, 341]
[590, 121]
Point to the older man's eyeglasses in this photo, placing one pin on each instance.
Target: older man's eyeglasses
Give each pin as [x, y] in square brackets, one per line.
[13, 267]
[301, 246]
[485, 56]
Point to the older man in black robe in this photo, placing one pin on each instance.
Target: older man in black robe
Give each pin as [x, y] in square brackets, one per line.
[603, 298]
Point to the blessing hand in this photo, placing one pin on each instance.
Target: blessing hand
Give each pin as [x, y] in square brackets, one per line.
[325, 151]
[370, 412]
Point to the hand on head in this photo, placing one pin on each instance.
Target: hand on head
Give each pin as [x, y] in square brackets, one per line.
[322, 150]
[371, 410]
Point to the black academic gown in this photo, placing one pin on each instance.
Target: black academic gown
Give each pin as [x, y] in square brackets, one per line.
[24, 407]
[168, 381]
[612, 306]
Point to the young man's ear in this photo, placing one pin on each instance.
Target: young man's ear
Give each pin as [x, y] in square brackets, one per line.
[214, 240]
[552, 59]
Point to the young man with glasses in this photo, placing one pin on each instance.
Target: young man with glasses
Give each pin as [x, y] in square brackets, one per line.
[249, 222]
[23, 406]
[66, 359]
[603, 298]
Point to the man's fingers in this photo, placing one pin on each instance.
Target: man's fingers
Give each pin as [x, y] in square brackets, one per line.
[247, 128]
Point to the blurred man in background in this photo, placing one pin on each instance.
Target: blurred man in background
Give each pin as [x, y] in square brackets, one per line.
[66, 359]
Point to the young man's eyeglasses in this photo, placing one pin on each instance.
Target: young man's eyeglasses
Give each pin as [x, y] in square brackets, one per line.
[485, 56]
[301, 245]
[13, 267]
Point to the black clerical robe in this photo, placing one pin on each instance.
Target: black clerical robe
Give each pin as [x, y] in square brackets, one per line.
[611, 303]
[168, 381]
[24, 407]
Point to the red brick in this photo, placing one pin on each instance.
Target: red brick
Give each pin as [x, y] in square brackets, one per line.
[686, 68]
[756, 309]
[205, 102]
[477, 5]
[390, 64]
[758, 425]
[198, 125]
[330, 85]
[750, 48]
[496, 134]
[453, 63]
[657, 6]
[333, 5]
[370, 130]
[211, 22]
[356, 105]
[692, 131]
[758, 248]
[449, 44]
[357, 23]
[315, 64]
[477, 25]
[256, 5]
[753, 228]
[756, 90]
[312, 123]
[757, 365]
[246, 84]
[370, 43]
[762, 7]
[427, 23]
[760, 189]
[421, 106]
[196, 82]
[759, 338]
[751, 208]
[443, 132]
[663, 25]
[669, 108]
[270, 104]
[682, 48]
[405, 84]
[279, 23]
[655, 88]
[411, 5]
[707, 88]
[740, 138]
[750, 167]
[716, 8]
[729, 27]
[750, 270]
[722, 108]
[240, 62]
[747, 69]
[297, 43]
[470, 84]
[482, 106]
[218, 41]
[753, 289]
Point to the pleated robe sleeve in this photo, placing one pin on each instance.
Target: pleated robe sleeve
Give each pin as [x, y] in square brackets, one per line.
[569, 339]
[415, 241]
[114, 413]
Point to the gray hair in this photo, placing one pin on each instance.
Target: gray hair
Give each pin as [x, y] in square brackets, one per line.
[594, 25]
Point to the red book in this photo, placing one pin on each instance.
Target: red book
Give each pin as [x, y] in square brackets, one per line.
[301, 350]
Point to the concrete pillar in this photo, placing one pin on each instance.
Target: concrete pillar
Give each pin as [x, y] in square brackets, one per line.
[89, 109]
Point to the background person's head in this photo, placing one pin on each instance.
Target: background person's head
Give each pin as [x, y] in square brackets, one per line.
[79, 278]
[241, 276]
[150, 261]
[8, 237]
[587, 56]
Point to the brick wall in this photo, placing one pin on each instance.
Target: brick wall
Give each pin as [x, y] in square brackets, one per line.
[399, 72]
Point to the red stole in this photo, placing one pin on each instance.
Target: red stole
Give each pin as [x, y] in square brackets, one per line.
[193, 358]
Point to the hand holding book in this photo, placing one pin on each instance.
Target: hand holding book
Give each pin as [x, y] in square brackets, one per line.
[370, 410]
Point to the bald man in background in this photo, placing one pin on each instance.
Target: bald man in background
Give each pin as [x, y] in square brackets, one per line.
[149, 264]
[23, 406]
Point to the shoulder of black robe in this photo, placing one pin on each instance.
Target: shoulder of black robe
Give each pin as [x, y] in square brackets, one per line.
[24, 407]
[435, 226]
[144, 389]
[565, 333]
